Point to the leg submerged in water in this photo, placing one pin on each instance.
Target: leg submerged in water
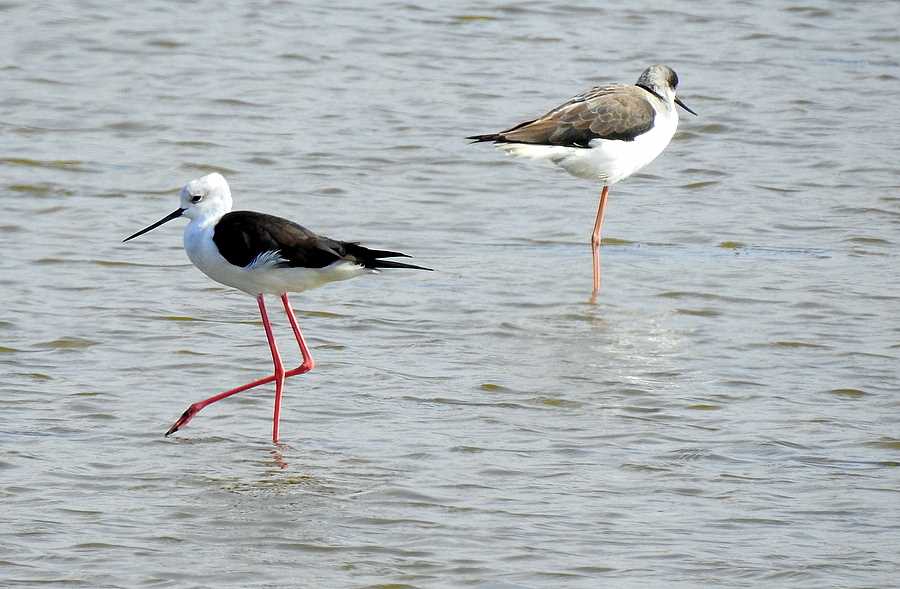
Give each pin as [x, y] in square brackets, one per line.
[280, 374]
[595, 240]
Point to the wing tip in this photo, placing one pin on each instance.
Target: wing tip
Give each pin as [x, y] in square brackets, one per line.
[379, 264]
[495, 137]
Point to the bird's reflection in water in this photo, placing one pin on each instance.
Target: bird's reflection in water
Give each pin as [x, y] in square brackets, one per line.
[278, 456]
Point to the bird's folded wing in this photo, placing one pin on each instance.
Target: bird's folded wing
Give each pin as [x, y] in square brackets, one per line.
[607, 112]
[241, 236]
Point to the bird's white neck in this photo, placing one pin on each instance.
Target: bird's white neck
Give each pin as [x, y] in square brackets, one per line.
[207, 219]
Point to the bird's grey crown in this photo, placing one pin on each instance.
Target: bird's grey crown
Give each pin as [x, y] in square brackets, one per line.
[658, 77]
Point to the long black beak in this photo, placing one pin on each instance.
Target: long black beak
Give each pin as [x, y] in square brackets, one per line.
[173, 215]
[684, 106]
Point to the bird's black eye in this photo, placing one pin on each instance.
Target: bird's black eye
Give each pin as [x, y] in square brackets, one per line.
[196, 198]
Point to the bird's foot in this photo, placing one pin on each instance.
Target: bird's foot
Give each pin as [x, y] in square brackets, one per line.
[189, 414]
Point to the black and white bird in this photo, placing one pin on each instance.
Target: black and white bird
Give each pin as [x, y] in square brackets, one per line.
[262, 254]
[606, 134]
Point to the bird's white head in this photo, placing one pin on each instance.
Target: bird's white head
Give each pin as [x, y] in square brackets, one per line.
[662, 81]
[206, 198]
[203, 201]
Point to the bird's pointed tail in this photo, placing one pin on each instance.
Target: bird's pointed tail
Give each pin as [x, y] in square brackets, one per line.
[377, 264]
[483, 138]
[374, 259]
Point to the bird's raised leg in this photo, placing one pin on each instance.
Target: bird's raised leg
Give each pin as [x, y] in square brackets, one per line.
[305, 366]
[307, 363]
[595, 240]
[191, 411]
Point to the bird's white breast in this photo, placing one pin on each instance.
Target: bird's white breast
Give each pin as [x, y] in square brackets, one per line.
[620, 159]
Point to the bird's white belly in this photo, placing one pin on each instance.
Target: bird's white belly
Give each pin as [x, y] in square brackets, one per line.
[609, 161]
[262, 279]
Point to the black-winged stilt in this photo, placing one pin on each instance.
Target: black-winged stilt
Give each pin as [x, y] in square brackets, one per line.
[262, 254]
[606, 134]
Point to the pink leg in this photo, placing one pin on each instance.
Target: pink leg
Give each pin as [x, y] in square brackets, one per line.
[278, 377]
[595, 239]
[279, 367]
[306, 366]
[307, 363]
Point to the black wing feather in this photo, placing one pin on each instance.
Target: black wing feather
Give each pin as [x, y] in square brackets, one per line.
[241, 236]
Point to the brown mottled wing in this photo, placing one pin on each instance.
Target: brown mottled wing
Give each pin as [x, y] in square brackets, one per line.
[607, 112]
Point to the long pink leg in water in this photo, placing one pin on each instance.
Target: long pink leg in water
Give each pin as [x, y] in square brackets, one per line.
[279, 367]
[306, 366]
[595, 240]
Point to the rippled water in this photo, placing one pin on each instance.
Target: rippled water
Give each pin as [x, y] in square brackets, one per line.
[725, 416]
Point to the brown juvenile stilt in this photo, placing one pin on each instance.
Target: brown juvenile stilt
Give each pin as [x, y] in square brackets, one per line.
[605, 134]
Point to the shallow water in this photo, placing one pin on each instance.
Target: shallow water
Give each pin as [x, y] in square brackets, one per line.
[725, 416]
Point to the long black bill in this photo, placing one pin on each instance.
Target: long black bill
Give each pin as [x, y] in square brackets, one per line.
[684, 106]
[173, 215]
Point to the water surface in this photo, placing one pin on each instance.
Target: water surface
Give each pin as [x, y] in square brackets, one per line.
[725, 416]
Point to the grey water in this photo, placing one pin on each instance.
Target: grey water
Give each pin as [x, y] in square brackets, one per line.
[726, 415]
